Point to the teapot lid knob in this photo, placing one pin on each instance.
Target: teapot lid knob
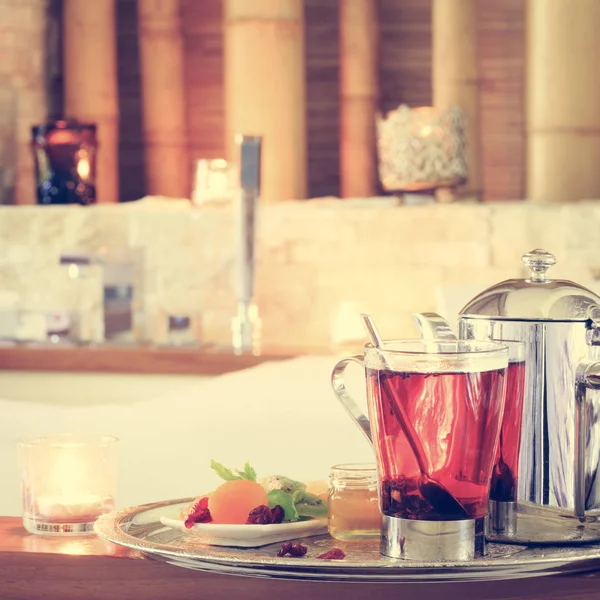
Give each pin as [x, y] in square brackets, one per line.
[539, 261]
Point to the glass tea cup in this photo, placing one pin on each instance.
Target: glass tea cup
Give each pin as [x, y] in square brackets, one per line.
[435, 409]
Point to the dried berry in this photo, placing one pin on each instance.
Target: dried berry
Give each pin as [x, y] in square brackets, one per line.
[261, 515]
[298, 550]
[199, 513]
[396, 496]
[285, 548]
[391, 495]
[293, 549]
[277, 514]
[414, 505]
[333, 554]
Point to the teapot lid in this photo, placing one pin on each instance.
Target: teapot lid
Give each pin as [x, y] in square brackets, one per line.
[536, 298]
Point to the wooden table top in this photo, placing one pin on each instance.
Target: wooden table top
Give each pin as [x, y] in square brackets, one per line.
[34, 567]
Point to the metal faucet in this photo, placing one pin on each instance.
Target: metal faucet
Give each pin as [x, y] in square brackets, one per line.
[246, 325]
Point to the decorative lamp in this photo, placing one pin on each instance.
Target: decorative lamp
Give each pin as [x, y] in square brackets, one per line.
[421, 149]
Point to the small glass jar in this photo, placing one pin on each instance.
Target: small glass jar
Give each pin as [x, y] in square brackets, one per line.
[353, 503]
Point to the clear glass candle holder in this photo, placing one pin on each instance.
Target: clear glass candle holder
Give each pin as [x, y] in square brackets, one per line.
[68, 481]
[214, 182]
[353, 502]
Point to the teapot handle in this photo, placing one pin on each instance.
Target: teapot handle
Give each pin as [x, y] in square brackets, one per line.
[587, 378]
[339, 389]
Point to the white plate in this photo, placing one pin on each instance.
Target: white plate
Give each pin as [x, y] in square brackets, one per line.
[248, 536]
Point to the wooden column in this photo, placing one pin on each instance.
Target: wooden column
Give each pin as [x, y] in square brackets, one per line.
[90, 75]
[22, 94]
[265, 89]
[563, 100]
[167, 159]
[456, 74]
[358, 97]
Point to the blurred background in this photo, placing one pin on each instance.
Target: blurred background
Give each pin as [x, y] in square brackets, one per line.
[37, 83]
[412, 151]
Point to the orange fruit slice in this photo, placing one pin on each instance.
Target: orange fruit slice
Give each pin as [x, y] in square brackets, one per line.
[232, 501]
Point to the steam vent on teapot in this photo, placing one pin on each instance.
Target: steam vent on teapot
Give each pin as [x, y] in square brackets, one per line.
[545, 486]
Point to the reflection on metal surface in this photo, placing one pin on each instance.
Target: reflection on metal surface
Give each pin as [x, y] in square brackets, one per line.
[432, 541]
[139, 528]
[547, 453]
[536, 298]
[558, 492]
[503, 517]
[545, 525]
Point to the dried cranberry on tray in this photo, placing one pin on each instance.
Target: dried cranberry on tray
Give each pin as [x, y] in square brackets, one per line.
[333, 554]
[293, 549]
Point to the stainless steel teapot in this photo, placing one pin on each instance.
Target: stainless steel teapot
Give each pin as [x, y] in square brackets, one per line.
[558, 498]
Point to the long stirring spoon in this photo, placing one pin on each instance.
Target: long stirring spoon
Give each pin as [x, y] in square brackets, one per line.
[440, 499]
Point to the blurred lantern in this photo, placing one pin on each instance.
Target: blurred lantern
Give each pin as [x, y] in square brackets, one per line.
[421, 149]
[65, 162]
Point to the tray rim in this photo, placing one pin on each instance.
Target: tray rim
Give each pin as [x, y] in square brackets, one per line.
[113, 527]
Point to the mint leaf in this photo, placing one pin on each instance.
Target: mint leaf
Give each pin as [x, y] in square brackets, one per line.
[249, 472]
[283, 499]
[231, 474]
[223, 472]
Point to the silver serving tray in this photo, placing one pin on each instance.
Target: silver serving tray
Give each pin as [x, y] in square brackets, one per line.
[139, 528]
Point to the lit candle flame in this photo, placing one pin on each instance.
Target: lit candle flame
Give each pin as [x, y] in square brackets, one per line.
[83, 167]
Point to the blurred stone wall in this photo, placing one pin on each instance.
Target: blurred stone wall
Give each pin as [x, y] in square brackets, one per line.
[318, 261]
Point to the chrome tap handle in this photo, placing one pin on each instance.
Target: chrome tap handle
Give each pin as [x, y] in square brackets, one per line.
[246, 325]
[246, 209]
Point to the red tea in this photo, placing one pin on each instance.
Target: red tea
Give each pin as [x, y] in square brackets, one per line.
[457, 418]
[504, 476]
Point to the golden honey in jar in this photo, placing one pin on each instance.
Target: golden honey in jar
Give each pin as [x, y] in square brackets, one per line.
[353, 504]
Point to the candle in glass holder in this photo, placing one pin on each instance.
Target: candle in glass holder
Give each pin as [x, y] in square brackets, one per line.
[65, 158]
[68, 481]
[214, 181]
[353, 502]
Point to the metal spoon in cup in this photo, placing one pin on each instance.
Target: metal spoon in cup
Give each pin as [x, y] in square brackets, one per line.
[440, 499]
